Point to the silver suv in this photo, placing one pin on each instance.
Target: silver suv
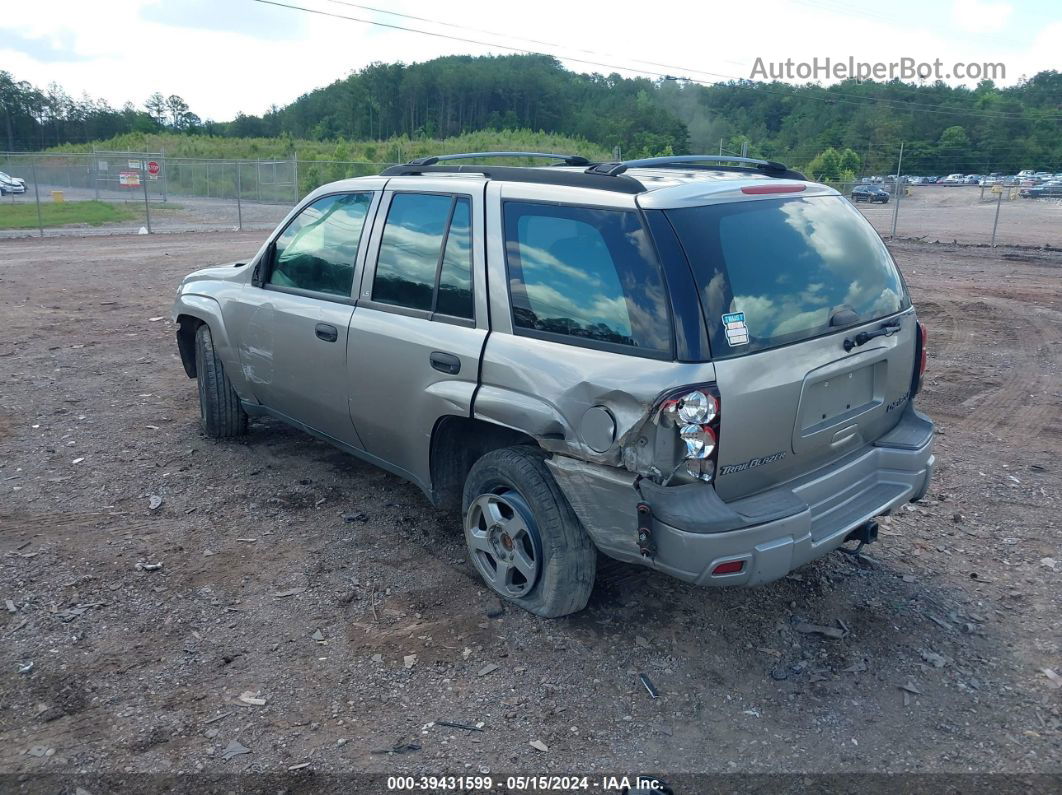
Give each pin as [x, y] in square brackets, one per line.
[702, 365]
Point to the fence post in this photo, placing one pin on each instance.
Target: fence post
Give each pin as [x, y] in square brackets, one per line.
[897, 189]
[95, 172]
[295, 168]
[995, 223]
[239, 207]
[37, 194]
[162, 172]
[258, 179]
[143, 181]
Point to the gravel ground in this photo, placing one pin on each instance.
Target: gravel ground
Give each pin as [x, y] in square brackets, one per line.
[319, 612]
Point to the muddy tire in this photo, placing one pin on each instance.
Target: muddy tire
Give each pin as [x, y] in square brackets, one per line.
[522, 535]
[220, 412]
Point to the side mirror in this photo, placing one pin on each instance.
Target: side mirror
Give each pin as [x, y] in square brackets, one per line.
[261, 268]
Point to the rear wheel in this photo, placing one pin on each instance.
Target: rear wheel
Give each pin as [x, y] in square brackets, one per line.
[220, 412]
[523, 537]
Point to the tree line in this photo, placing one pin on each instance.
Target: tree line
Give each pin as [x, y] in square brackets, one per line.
[945, 129]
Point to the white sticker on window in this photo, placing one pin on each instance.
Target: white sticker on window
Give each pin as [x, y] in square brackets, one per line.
[737, 333]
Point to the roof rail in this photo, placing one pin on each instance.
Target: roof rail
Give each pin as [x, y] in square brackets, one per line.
[675, 161]
[542, 176]
[568, 160]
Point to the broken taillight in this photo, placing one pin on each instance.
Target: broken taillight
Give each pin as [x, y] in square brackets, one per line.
[694, 413]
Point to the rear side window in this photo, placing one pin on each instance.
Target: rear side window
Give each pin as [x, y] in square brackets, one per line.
[778, 271]
[585, 274]
[425, 259]
[317, 250]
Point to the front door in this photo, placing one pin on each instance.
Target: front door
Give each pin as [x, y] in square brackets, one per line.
[294, 344]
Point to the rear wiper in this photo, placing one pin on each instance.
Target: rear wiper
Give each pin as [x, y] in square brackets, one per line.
[863, 337]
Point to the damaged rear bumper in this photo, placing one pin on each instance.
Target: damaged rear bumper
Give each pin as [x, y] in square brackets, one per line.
[773, 532]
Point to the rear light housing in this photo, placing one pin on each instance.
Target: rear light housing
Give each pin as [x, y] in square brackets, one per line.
[921, 351]
[693, 412]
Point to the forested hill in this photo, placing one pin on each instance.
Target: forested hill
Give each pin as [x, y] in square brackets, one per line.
[944, 129]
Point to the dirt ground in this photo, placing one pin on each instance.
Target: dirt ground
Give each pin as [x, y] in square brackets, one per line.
[334, 594]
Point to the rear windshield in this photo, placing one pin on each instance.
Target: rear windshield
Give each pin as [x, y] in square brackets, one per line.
[777, 271]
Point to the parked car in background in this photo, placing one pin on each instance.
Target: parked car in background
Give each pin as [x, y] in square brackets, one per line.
[1051, 189]
[870, 193]
[529, 347]
[953, 179]
[932, 180]
[9, 184]
[1028, 172]
[971, 179]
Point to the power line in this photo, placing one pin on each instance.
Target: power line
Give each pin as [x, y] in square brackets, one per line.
[834, 97]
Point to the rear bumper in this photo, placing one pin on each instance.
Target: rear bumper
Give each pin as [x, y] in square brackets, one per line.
[772, 533]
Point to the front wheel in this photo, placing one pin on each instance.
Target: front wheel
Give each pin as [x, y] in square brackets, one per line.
[220, 412]
[522, 535]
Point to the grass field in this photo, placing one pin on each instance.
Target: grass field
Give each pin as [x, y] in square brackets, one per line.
[94, 213]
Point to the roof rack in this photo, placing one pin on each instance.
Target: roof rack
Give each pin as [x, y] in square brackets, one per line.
[768, 167]
[542, 176]
[568, 160]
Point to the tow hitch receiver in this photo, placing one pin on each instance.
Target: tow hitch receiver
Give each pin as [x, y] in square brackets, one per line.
[866, 533]
[646, 544]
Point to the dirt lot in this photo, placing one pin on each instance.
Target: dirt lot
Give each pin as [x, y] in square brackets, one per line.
[334, 593]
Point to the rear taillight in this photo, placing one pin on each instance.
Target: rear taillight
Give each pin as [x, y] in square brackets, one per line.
[694, 414]
[921, 350]
[923, 339]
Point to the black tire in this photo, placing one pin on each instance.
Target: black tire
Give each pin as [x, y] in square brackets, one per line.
[568, 558]
[220, 412]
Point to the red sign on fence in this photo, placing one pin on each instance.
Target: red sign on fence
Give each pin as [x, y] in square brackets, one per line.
[153, 168]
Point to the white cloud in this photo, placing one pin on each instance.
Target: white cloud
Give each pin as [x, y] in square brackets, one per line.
[126, 49]
[978, 16]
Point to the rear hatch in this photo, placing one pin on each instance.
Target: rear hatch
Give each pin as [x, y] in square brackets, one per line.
[784, 282]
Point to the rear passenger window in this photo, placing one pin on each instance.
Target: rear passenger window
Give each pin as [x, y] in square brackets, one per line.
[425, 259]
[585, 273]
[455, 278]
[317, 250]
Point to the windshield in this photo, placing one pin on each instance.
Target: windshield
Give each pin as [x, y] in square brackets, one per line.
[778, 271]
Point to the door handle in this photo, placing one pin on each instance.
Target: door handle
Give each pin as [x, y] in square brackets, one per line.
[326, 332]
[445, 362]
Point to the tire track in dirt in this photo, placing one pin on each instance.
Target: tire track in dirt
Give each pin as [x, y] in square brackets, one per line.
[1016, 406]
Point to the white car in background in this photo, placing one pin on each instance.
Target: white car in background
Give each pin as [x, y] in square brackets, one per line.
[953, 179]
[9, 184]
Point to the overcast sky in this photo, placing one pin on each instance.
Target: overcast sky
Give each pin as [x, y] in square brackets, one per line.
[225, 56]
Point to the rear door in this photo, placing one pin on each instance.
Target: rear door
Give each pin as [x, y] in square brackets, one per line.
[418, 331]
[784, 282]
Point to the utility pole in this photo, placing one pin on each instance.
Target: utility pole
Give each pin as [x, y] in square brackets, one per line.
[896, 190]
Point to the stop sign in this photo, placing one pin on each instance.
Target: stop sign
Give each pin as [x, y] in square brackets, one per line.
[153, 167]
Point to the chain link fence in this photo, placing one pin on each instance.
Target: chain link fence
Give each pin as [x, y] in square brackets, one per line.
[146, 192]
[131, 192]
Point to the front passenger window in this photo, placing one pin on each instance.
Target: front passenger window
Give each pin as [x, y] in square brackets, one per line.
[318, 249]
